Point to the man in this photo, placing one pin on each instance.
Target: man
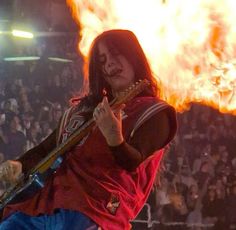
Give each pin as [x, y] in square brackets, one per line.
[106, 178]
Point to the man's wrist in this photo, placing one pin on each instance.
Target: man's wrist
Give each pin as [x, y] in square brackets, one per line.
[115, 142]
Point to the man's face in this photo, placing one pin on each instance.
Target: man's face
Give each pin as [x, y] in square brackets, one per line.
[118, 72]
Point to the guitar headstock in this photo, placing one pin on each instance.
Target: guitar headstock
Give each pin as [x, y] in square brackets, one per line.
[132, 91]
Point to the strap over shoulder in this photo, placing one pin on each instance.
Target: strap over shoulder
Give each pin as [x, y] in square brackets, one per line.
[149, 112]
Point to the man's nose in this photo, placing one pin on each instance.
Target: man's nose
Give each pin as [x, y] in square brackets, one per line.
[110, 61]
[110, 64]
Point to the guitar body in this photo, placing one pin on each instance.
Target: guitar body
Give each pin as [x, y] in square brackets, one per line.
[27, 187]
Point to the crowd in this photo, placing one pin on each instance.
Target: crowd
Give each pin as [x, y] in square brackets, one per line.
[34, 94]
[196, 186]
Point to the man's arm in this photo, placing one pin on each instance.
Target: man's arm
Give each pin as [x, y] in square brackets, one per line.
[30, 158]
[153, 135]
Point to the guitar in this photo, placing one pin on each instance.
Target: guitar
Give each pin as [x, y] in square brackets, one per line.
[35, 179]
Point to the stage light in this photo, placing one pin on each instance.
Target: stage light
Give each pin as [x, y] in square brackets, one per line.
[26, 58]
[56, 59]
[22, 34]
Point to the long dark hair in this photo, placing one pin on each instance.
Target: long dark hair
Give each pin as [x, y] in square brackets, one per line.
[127, 44]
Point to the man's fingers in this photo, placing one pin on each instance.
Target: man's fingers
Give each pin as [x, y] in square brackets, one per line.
[108, 108]
[16, 169]
[118, 110]
[104, 109]
[105, 104]
[118, 114]
[10, 171]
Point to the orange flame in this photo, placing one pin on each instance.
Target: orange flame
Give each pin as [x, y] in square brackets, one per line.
[191, 45]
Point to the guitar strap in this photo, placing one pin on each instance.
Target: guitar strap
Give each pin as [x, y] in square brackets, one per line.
[154, 109]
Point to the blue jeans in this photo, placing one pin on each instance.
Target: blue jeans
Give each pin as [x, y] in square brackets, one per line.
[61, 220]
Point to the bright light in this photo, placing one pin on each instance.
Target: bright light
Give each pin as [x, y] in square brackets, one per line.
[33, 58]
[56, 59]
[190, 45]
[22, 34]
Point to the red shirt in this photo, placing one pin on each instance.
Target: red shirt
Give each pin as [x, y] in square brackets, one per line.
[90, 181]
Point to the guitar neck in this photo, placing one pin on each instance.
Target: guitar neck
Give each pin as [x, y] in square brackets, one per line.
[79, 134]
[75, 138]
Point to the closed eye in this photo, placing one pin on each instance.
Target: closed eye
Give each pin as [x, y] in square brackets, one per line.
[102, 59]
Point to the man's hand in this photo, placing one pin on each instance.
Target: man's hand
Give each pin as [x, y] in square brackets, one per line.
[109, 122]
[10, 171]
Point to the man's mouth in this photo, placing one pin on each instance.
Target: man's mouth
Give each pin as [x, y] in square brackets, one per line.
[115, 72]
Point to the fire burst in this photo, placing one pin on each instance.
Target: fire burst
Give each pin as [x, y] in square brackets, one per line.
[191, 45]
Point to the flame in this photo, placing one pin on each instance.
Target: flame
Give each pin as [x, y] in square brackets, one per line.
[191, 45]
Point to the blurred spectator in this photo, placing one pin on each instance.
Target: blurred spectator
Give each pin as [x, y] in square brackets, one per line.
[213, 208]
[162, 193]
[36, 98]
[192, 196]
[8, 110]
[175, 211]
[14, 140]
[46, 130]
[185, 177]
[203, 174]
[230, 204]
